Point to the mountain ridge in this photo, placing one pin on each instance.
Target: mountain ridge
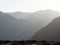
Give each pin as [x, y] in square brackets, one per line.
[51, 32]
[26, 26]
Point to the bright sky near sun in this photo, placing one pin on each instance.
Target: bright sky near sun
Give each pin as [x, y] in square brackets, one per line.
[28, 5]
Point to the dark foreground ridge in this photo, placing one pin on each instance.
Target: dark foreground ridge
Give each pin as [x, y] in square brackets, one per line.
[29, 42]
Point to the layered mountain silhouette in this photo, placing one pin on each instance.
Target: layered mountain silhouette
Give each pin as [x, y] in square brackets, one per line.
[22, 26]
[41, 18]
[50, 32]
[34, 21]
[12, 28]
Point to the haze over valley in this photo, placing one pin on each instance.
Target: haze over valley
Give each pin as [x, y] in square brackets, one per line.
[30, 20]
[23, 26]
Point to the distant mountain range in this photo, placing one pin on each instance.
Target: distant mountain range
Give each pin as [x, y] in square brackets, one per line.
[19, 15]
[22, 26]
[51, 32]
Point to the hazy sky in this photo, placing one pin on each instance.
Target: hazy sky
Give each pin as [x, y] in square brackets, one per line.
[28, 5]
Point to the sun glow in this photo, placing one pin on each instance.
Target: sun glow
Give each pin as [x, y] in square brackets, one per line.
[28, 5]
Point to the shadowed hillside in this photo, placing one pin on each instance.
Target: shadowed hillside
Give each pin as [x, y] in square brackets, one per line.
[50, 32]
